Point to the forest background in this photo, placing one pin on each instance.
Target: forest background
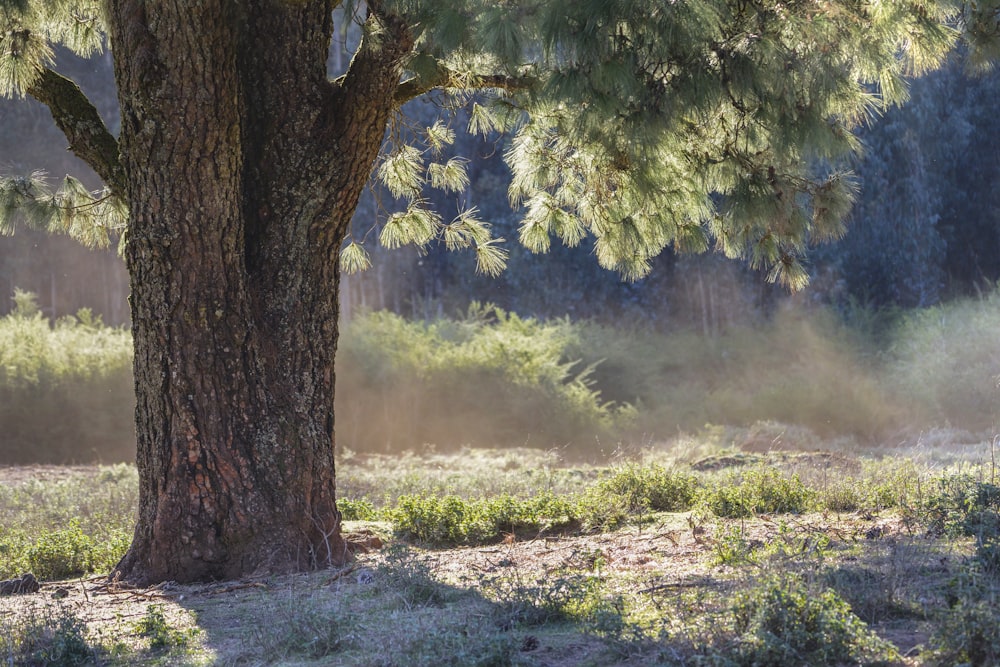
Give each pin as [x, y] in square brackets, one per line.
[888, 345]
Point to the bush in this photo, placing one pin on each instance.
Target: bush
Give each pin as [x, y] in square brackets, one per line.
[968, 635]
[635, 490]
[71, 552]
[492, 379]
[757, 491]
[58, 639]
[66, 391]
[783, 622]
[451, 520]
[964, 506]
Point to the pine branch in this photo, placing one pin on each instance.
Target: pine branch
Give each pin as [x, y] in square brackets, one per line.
[443, 77]
[386, 42]
[76, 116]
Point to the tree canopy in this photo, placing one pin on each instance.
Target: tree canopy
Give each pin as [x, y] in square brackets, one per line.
[633, 124]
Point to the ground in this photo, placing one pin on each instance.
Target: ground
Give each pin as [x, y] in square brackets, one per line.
[659, 590]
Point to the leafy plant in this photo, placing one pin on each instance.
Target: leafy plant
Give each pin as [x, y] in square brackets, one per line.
[155, 626]
[451, 520]
[47, 639]
[783, 622]
[968, 635]
[757, 491]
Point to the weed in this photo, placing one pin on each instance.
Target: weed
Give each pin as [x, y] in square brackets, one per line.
[154, 626]
[468, 646]
[408, 577]
[733, 548]
[299, 627]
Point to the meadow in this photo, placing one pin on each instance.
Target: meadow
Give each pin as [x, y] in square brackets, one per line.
[810, 489]
[695, 552]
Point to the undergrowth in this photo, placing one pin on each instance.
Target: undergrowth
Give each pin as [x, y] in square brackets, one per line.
[801, 595]
[491, 378]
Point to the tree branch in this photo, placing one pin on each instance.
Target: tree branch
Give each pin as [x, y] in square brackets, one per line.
[446, 78]
[76, 116]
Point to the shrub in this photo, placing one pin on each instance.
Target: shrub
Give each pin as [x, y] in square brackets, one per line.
[962, 505]
[451, 520]
[70, 552]
[968, 635]
[635, 489]
[783, 622]
[58, 639]
[492, 378]
[757, 491]
[356, 510]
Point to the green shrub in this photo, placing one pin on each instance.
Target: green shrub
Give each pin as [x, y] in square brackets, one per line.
[783, 622]
[49, 639]
[962, 505]
[70, 552]
[732, 547]
[757, 491]
[635, 490]
[155, 626]
[968, 635]
[356, 510]
[451, 520]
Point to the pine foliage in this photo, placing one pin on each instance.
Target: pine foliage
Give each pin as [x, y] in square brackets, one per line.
[640, 124]
[635, 125]
[93, 218]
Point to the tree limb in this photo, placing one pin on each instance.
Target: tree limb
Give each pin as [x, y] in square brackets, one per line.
[446, 78]
[76, 116]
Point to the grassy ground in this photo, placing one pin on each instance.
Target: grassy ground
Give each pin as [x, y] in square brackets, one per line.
[729, 548]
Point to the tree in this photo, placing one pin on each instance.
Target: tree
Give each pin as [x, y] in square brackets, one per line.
[637, 124]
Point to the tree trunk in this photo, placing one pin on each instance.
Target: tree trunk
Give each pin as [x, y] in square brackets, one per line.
[243, 166]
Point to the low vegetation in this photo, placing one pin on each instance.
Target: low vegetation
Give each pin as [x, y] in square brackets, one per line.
[697, 554]
[490, 378]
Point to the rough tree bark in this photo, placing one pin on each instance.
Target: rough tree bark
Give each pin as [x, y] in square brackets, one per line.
[241, 165]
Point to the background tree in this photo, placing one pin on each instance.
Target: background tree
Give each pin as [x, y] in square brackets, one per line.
[636, 125]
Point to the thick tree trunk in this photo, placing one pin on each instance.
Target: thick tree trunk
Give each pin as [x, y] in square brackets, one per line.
[243, 168]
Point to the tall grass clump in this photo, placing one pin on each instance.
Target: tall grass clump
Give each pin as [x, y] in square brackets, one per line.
[66, 391]
[492, 378]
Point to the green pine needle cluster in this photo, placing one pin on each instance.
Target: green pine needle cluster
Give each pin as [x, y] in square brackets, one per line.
[29, 28]
[93, 218]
